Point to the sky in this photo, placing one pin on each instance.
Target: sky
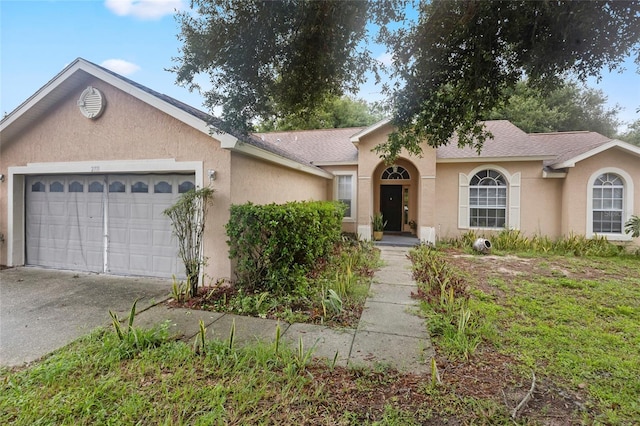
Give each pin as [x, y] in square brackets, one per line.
[139, 39]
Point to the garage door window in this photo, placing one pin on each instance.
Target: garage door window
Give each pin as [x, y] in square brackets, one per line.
[139, 187]
[56, 187]
[38, 187]
[76, 186]
[185, 186]
[116, 186]
[162, 188]
[96, 187]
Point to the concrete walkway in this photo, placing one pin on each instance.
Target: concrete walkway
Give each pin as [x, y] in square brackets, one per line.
[388, 334]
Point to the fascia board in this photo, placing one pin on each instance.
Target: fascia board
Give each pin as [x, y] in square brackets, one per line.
[615, 143]
[81, 65]
[356, 138]
[256, 152]
[492, 159]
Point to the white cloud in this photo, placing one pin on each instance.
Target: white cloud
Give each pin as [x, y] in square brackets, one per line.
[386, 58]
[144, 9]
[120, 66]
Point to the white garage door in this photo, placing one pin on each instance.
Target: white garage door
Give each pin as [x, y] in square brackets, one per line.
[106, 223]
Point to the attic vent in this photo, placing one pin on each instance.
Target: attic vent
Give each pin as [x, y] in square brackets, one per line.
[91, 103]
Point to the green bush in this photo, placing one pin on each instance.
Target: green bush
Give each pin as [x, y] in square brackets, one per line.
[275, 246]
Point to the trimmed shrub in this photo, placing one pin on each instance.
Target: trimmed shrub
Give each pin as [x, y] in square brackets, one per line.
[275, 246]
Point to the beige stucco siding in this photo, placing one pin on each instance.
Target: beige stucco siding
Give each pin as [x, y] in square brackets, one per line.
[540, 199]
[264, 183]
[421, 185]
[576, 187]
[128, 129]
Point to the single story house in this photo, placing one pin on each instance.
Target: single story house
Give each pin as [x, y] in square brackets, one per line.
[89, 162]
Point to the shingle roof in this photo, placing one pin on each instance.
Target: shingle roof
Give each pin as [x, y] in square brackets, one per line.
[324, 146]
[567, 145]
[215, 122]
[508, 141]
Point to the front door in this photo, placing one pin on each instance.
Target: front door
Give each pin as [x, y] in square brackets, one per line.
[391, 206]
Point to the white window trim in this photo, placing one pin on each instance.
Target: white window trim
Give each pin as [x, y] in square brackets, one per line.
[354, 197]
[513, 197]
[627, 208]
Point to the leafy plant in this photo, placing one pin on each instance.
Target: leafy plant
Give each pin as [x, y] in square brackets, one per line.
[180, 290]
[188, 216]
[378, 223]
[276, 246]
[633, 226]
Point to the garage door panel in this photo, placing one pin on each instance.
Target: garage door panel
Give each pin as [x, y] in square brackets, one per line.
[67, 229]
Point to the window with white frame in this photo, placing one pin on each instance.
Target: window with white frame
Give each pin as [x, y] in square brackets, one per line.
[487, 200]
[345, 193]
[608, 204]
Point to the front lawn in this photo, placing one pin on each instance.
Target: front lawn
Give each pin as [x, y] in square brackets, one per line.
[574, 322]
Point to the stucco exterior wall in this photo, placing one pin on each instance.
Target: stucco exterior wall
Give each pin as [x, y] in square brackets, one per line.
[576, 187]
[540, 198]
[128, 129]
[265, 183]
[370, 166]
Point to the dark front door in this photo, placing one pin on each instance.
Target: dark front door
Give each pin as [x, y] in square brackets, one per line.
[391, 206]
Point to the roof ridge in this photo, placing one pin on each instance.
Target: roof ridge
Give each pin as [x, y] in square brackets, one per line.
[561, 133]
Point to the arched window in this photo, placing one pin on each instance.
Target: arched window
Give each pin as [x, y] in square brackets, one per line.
[608, 204]
[162, 188]
[139, 187]
[116, 186]
[395, 172]
[96, 186]
[76, 186]
[185, 187]
[488, 200]
[37, 187]
[56, 187]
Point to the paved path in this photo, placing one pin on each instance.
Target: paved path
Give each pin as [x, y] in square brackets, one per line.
[388, 333]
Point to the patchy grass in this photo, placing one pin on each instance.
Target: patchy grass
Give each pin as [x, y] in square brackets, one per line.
[573, 321]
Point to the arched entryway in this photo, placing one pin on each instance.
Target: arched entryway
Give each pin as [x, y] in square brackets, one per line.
[396, 195]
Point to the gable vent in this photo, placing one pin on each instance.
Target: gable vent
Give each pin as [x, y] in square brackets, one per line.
[91, 103]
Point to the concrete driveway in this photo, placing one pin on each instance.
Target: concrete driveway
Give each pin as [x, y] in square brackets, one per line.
[42, 310]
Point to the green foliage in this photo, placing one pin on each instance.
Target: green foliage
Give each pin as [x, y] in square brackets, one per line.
[275, 246]
[132, 340]
[565, 108]
[446, 298]
[378, 223]
[633, 226]
[632, 135]
[514, 241]
[268, 58]
[332, 113]
[188, 216]
[458, 60]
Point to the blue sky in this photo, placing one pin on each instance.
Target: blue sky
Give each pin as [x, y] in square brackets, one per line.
[138, 39]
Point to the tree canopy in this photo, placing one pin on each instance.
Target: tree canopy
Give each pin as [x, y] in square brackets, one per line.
[453, 64]
[333, 113]
[566, 108]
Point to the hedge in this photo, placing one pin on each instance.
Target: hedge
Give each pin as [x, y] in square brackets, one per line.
[275, 246]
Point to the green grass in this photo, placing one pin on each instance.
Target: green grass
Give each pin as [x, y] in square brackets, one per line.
[580, 332]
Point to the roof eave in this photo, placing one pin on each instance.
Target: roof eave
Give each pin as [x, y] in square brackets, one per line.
[81, 65]
[494, 159]
[355, 139]
[614, 143]
[253, 151]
